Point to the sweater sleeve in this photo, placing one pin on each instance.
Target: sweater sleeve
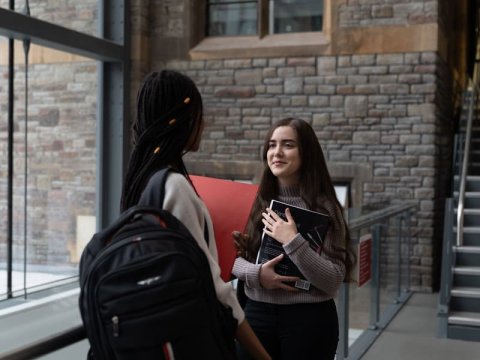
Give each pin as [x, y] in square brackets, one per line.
[182, 202]
[247, 271]
[323, 272]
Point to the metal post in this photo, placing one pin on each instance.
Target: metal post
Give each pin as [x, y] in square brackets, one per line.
[409, 241]
[399, 258]
[112, 112]
[446, 275]
[11, 99]
[375, 280]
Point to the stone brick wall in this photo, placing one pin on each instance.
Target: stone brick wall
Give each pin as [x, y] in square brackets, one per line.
[61, 151]
[61, 159]
[390, 111]
[363, 13]
[73, 14]
[388, 115]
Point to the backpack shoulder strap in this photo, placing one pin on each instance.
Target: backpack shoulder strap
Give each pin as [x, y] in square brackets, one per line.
[154, 194]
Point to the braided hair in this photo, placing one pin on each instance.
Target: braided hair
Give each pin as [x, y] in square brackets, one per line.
[168, 122]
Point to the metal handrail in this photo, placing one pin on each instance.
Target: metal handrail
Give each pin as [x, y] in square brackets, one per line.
[377, 216]
[466, 152]
[464, 171]
[46, 346]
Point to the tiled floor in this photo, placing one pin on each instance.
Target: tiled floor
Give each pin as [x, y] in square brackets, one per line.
[412, 335]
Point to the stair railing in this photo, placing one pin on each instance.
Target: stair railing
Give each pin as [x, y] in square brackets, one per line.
[464, 170]
[447, 274]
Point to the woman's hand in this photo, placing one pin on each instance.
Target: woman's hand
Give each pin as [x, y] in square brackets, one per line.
[277, 228]
[269, 279]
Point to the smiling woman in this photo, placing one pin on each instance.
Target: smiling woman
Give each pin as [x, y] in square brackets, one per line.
[283, 157]
[273, 304]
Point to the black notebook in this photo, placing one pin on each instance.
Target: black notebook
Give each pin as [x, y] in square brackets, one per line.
[313, 227]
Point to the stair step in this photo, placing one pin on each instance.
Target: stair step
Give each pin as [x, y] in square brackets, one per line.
[470, 194]
[466, 270]
[467, 249]
[472, 292]
[469, 177]
[469, 229]
[464, 318]
[471, 217]
[471, 200]
[471, 211]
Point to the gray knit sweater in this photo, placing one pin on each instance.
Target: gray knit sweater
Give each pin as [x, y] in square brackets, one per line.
[325, 274]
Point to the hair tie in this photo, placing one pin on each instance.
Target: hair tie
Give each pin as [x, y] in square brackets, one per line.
[150, 133]
[157, 150]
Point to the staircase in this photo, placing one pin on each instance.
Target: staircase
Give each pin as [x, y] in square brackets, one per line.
[462, 296]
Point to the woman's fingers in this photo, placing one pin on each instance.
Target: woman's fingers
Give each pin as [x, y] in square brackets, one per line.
[271, 280]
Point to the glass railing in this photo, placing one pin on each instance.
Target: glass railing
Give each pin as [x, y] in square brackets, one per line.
[382, 283]
[364, 311]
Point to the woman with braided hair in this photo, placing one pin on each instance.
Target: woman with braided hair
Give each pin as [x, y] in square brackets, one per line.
[169, 123]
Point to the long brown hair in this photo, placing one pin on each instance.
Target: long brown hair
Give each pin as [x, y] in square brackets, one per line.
[316, 189]
[169, 112]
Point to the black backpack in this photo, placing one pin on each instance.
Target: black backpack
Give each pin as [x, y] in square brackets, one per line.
[146, 292]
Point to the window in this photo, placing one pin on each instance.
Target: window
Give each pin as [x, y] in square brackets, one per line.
[63, 103]
[286, 16]
[54, 172]
[232, 18]
[228, 18]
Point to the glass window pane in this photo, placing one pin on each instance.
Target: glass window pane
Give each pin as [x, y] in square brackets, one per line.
[77, 15]
[229, 18]
[288, 16]
[58, 190]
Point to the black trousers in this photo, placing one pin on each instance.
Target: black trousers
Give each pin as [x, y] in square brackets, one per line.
[297, 331]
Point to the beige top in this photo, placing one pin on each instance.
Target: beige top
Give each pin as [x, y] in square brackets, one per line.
[181, 201]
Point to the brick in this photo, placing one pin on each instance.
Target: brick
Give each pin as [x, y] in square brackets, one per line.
[248, 77]
[238, 64]
[366, 137]
[301, 61]
[319, 101]
[390, 59]
[326, 65]
[293, 86]
[356, 106]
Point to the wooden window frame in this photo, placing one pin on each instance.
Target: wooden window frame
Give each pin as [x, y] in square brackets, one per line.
[263, 44]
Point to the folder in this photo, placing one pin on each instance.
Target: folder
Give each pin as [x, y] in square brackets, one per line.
[229, 203]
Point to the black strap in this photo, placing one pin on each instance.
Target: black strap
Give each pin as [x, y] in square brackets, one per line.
[154, 194]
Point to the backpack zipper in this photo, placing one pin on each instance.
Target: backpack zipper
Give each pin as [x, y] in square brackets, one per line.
[99, 259]
[96, 262]
[116, 327]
